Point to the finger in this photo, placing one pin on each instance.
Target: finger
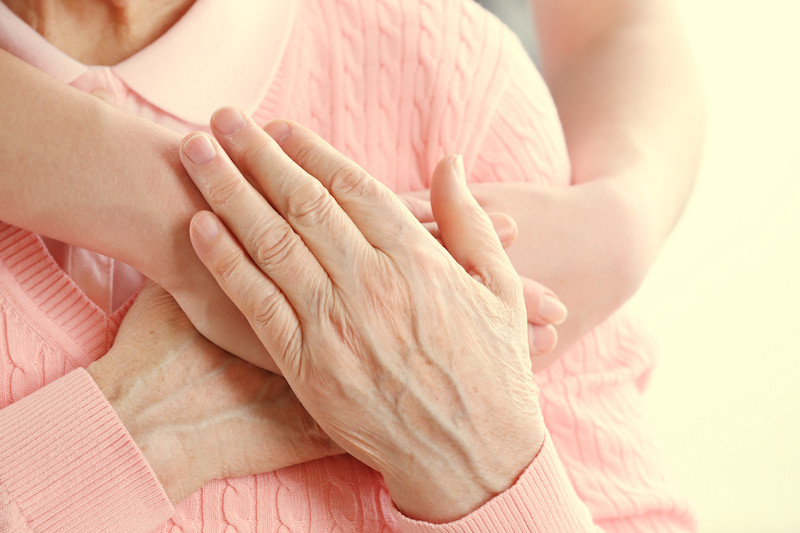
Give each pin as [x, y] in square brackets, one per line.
[269, 240]
[542, 305]
[433, 229]
[541, 339]
[297, 195]
[467, 231]
[505, 227]
[260, 300]
[420, 194]
[421, 209]
[375, 210]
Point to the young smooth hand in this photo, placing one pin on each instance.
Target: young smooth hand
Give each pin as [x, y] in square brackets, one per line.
[197, 412]
[412, 360]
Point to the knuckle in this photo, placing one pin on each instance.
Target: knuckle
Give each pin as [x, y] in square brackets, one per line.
[265, 310]
[305, 152]
[221, 193]
[226, 267]
[309, 202]
[254, 153]
[273, 244]
[349, 180]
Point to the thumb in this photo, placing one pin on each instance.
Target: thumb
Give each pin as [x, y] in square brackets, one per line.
[466, 230]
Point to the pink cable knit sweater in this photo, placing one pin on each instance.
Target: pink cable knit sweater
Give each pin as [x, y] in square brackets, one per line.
[395, 85]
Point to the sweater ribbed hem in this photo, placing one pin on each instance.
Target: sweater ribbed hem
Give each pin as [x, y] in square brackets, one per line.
[542, 501]
[37, 285]
[70, 465]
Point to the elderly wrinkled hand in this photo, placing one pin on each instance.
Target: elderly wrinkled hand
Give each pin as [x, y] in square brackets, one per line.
[412, 360]
[197, 412]
[544, 309]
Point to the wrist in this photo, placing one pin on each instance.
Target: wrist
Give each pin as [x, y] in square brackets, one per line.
[169, 459]
[458, 484]
[150, 200]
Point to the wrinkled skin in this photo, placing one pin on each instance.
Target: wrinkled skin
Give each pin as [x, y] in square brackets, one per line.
[412, 360]
[197, 412]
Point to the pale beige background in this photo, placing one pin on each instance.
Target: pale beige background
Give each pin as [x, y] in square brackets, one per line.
[723, 299]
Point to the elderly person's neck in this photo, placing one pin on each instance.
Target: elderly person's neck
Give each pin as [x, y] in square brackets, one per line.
[100, 32]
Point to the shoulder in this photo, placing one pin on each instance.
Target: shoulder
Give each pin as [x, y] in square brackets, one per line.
[435, 42]
[397, 84]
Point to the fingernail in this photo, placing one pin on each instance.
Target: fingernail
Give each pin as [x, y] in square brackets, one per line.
[228, 120]
[278, 130]
[545, 340]
[206, 226]
[199, 149]
[552, 310]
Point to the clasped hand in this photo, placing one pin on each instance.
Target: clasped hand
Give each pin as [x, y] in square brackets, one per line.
[413, 360]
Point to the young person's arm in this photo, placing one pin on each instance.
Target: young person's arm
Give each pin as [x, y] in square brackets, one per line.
[78, 170]
[58, 157]
[632, 114]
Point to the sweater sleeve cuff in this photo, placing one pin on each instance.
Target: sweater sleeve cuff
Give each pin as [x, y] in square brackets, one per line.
[70, 465]
[541, 500]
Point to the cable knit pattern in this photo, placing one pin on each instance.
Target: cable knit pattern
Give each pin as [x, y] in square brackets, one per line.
[395, 85]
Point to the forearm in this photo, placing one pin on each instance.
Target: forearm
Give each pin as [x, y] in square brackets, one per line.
[83, 172]
[631, 113]
[629, 102]
[574, 240]
[78, 170]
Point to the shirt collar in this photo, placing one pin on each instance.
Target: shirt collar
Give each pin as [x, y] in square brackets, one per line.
[218, 53]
